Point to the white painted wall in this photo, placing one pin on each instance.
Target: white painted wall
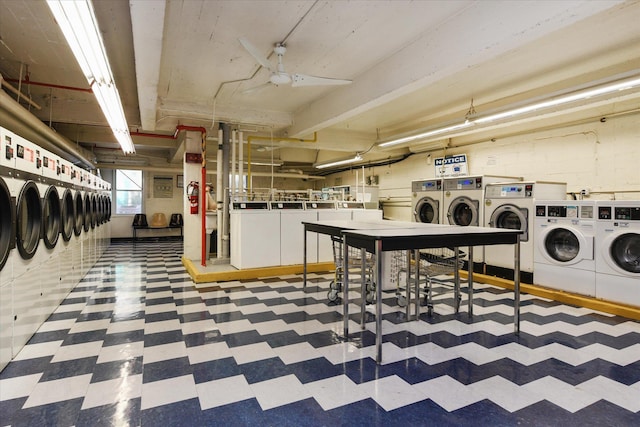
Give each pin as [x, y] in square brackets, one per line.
[603, 157]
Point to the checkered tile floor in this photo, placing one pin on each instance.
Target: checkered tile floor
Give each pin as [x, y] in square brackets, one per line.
[136, 343]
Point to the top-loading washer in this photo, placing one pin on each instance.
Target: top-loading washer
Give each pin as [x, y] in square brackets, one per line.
[564, 237]
[618, 251]
[292, 214]
[512, 205]
[426, 201]
[463, 204]
[255, 235]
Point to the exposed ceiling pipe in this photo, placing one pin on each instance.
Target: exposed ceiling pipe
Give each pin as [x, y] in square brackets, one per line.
[20, 94]
[16, 118]
[29, 82]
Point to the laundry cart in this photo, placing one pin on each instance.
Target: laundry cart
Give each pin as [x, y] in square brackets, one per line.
[435, 269]
[356, 266]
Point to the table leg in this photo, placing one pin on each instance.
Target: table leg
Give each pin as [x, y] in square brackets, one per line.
[345, 287]
[407, 289]
[516, 287]
[456, 278]
[416, 299]
[363, 288]
[470, 277]
[304, 261]
[378, 276]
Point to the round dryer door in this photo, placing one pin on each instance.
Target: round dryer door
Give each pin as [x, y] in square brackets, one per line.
[78, 213]
[464, 211]
[28, 220]
[513, 218]
[51, 218]
[7, 223]
[625, 252]
[68, 215]
[562, 245]
[88, 213]
[427, 210]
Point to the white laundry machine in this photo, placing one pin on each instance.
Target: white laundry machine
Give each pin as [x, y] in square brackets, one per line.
[426, 201]
[255, 235]
[319, 247]
[512, 205]
[564, 236]
[618, 251]
[67, 237]
[9, 191]
[463, 204]
[27, 299]
[78, 225]
[292, 214]
[48, 256]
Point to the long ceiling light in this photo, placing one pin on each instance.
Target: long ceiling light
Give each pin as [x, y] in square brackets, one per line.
[330, 164]
[566, 98]
[78, 23]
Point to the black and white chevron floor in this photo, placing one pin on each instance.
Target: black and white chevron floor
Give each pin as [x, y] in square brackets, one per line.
[136, 343]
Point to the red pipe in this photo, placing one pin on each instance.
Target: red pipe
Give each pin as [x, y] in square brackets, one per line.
[29, 82]
[152, 135]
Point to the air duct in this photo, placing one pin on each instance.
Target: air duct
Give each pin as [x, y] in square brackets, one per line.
[16, 118]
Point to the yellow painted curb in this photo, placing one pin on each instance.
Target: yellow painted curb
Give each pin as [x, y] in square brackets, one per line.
[253, 273]
[617, 309]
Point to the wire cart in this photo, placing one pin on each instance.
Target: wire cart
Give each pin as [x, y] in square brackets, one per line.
[359, 260]
[435, 268]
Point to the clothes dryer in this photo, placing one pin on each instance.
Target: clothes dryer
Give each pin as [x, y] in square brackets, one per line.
[78, 226]
[426, 201]
[618, 251]
[564, 238]
[66, 241]
[463, 204]
[512, 205]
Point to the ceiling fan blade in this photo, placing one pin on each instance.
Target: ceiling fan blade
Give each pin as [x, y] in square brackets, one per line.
[255, 89]
[257, 55]
[299, 80]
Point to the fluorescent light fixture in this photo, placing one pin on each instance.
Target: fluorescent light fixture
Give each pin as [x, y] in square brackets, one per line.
[620, 85]
[78, 23]
[560, 100]
[357, 158]
[426, 134]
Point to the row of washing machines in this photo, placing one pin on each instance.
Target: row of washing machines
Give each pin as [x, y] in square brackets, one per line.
[54, 225]
[586, 247]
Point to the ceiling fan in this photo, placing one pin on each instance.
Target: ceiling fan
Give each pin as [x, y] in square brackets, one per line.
[278, 74]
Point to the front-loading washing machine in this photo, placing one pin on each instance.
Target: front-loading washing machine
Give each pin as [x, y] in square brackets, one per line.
[8, 194]
[78, 225]
[512, 205]
[463, 204]
[618, 251]
[67, 237]
[49, 253]
[564, 236]
[426, 201]
[27, 300]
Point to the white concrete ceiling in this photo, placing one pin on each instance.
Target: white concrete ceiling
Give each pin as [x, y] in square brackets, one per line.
[413, 64]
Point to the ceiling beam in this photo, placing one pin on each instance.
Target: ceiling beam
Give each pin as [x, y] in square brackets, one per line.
[478, 34]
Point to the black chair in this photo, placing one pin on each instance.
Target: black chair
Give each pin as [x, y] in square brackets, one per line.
[140, 220]
[176, 220]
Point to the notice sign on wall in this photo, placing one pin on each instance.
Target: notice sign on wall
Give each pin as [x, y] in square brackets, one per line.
[451, 166]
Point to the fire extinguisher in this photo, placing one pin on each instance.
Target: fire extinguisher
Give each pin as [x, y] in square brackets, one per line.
[193, 196]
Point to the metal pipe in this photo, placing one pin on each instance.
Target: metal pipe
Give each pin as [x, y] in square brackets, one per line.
[233, 165]
[19, 94]
[16, 118]
[219, 193]
[29, 82]
[241, 162]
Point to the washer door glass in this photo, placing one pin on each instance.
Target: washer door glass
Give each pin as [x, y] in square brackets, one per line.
[427, 211]
[88, 213]
[79, 214]
[463, 211]
[51, 217]
[7, 220]
[68, 215]
[562, 245]
[29, 220]
[94, 211]
[512, 218]
[625, 252]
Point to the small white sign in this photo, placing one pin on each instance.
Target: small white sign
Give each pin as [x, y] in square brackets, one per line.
[451, 166]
